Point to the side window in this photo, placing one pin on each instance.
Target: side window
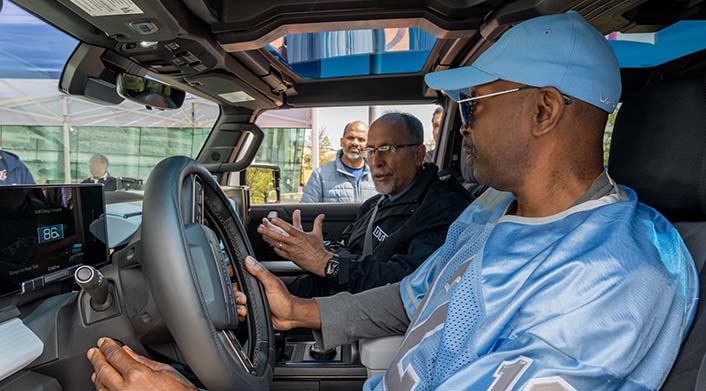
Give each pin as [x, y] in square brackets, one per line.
[608, 135]
[318, 153]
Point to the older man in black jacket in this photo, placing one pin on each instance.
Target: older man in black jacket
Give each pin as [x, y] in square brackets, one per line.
[394, 232]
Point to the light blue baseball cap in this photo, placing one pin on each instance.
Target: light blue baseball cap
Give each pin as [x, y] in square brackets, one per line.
[561, 51]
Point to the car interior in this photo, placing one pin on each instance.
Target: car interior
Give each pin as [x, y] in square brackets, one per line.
[162, 286]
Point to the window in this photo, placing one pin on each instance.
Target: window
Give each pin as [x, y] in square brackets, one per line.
[285, 148]
[651, 49]
[354, 52]
[288, 142]
[608, 135]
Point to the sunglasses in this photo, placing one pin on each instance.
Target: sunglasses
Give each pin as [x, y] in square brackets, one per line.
[467, 103]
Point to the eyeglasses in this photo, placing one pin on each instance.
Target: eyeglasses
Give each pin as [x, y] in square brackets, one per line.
[467, 103]
[370, 151]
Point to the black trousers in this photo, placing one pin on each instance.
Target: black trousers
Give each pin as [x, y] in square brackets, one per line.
[309, 285]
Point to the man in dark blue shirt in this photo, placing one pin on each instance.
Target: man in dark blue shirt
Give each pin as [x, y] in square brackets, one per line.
[347, 178]
[13, 171]
[357, 172]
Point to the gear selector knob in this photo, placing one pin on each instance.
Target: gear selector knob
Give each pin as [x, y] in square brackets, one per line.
[95, 285]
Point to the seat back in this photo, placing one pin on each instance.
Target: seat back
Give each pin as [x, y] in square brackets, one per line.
[659, 149]
[688, 367]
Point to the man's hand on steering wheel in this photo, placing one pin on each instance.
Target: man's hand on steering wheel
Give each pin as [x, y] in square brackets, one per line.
[240, 301]
[240, 298]
[119, 368]
[288, 311]
[204, 324]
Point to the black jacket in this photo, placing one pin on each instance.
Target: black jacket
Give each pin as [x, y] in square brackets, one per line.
[109, 183]
[406, 231]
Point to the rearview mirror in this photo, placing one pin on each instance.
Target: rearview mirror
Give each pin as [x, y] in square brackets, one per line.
[149, 92]
[87, 77]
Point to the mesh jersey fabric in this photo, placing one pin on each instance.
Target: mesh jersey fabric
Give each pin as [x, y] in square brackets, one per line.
[597, 297]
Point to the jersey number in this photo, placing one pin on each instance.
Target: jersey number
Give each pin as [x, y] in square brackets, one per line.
[510, 372]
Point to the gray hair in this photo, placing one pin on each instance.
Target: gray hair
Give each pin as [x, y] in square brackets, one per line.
[413, 126]
[438, 110]
[100, 158]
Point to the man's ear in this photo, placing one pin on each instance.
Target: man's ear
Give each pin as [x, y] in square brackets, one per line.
[419, 154]
[548, 111]
[340, 142]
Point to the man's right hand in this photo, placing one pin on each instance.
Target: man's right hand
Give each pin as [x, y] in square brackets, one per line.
[291, 242]
[117, 368]
[288, 311]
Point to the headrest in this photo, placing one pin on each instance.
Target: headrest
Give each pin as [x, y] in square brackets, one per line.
[659, 147]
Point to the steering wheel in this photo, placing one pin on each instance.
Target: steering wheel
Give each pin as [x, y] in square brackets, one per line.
[188, 265]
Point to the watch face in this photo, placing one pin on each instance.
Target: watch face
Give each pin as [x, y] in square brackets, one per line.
[332, 268]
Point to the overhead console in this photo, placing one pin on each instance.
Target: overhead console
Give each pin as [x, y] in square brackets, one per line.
[148, 32]
[47, 232]
[177, 56]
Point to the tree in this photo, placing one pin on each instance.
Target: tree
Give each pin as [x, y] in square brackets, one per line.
[326, 152]
[608, 135]
[261, 183]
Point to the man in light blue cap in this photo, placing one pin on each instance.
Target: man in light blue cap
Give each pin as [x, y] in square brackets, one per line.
[556, 278]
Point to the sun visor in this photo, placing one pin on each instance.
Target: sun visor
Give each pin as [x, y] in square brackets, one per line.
[127, 20]
[228, 89]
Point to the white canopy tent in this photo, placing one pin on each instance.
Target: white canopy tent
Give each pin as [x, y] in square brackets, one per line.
[38, 102]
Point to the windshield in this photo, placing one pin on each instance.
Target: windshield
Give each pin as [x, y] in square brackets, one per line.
[64, 139]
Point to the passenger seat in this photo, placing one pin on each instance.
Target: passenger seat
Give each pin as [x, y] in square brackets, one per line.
[659, 150]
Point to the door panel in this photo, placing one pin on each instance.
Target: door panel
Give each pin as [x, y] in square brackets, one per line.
[338, 217]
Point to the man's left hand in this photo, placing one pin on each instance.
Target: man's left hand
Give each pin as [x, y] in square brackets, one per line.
[306, 249]
[119, 368]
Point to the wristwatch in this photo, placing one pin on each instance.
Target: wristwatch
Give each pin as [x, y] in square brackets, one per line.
[331, 269]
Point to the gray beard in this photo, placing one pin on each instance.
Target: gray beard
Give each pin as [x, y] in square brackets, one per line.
[386, 187]
[353, 156]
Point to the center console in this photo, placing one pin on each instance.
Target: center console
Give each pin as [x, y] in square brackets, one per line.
[301, 366]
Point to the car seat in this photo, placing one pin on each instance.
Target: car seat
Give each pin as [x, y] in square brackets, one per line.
[659, 150]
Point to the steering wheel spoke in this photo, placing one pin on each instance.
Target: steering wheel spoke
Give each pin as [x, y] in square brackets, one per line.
[193, 200]
[238, 350]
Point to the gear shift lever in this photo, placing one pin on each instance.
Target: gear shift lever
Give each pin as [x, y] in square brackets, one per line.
[95, 285]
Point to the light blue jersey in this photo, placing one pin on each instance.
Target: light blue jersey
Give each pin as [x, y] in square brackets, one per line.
[598, 297]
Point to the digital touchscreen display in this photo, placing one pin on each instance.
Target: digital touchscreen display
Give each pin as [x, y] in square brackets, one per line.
[48, 230]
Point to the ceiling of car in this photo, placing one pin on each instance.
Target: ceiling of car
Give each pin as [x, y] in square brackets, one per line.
[219, 48]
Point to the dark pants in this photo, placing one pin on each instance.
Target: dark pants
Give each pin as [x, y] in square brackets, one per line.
[308, 286]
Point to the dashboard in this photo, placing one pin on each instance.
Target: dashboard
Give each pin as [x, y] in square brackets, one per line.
[48, 231]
